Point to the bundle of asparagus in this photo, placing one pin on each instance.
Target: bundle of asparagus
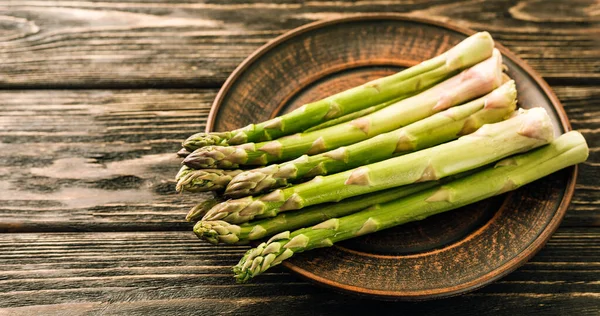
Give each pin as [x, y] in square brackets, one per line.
[473, 82]
[437, 129]
[467, 53]
[393, 150]
[506, 175]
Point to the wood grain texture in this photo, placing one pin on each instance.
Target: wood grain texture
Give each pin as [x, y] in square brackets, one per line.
[143, 43]
[172, 272]
[101, 160]
[104, 159]
[101, 157]
[582, 105]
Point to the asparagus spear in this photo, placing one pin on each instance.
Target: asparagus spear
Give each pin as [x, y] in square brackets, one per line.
[354, 115]
[473, 82]
[204, 180]
[466, 54]
[526, 130]
[183, 171]
[357, 114]
[223, 232]
[434, 130]
[508, 174]
[200, 210]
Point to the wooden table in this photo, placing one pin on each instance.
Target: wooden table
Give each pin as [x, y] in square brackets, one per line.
[97, 95]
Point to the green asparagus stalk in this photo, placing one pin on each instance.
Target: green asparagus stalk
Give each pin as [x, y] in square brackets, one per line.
[471, 83]
[422, 76]
[507, 175]
[354, 115]
[357, 114]
[204, 180]
[223, 232]
[431, 131]
[524, 131]
[200, 209]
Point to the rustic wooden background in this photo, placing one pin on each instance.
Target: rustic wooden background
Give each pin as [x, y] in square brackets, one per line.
[95, 96]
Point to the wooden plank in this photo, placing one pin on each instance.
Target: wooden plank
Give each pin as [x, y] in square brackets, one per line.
[166, 272]
[582, 105]
[71, 157]
[141, 43]
[103, 159]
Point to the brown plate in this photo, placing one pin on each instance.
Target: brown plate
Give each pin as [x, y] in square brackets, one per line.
[444, 255]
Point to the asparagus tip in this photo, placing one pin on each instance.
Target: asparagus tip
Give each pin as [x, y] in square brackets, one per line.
[213, 157]
[199, 140]
[258, 260]
[183, 152]
[217, 231]
[199, 210]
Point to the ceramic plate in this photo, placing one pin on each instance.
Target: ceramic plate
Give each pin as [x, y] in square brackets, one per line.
[446, 254]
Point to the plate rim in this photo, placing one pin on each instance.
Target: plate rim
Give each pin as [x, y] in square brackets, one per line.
[532, 249]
